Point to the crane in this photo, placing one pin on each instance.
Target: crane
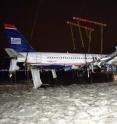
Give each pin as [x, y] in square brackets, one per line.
[102, 25]
[81, 37]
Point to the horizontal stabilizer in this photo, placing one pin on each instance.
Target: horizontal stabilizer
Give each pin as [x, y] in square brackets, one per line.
[12, 53]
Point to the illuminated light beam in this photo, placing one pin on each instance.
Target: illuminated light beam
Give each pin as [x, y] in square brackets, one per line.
[89, 21]
[77, 25]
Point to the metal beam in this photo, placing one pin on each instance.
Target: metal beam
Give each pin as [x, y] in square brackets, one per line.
[77, 25]
[89, 21]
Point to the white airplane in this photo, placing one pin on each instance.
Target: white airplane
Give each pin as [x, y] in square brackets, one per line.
[20, 51]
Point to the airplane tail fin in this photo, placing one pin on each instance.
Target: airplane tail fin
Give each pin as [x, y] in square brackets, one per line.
[16, 40]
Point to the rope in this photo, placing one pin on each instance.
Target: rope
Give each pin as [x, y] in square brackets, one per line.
[73, 39]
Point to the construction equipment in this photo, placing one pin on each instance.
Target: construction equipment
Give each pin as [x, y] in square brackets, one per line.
[80, 32]
[102, 25]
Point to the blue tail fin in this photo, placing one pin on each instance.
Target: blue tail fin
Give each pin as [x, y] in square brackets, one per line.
[16, 39]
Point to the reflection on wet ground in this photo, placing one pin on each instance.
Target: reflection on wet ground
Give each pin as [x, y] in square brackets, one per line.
[72, 104]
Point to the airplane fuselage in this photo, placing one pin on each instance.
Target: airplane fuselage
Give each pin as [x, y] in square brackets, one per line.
[48, 58]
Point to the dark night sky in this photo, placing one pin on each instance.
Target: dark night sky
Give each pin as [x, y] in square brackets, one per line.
[51, 33]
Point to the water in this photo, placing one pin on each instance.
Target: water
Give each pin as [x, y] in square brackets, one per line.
[73, 104]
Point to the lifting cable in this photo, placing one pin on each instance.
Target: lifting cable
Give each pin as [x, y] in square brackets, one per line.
[90, 40]
[81, 37]
[25, 63]
[27, 67]
[96, 23]
[35, 20]
[88, 34]
[73, 39]
[101, 39]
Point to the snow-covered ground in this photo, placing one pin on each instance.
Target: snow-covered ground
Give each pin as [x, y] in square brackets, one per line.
[73, 104]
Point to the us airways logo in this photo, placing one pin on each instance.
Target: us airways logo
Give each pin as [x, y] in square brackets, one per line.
[15, 40]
